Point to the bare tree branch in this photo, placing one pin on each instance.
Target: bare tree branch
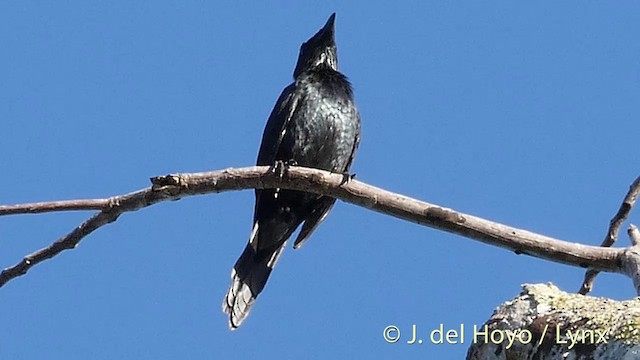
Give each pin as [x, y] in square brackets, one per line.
[634, 235]
[552, 318]
[614, 227]
[173, 187]
[40, 207]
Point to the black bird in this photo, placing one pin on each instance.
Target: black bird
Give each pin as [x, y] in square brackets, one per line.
[315, 123]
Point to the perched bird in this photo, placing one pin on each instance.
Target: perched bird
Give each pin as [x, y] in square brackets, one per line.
[315, 123]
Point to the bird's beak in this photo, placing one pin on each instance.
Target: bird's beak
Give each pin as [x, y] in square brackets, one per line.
[328, 31]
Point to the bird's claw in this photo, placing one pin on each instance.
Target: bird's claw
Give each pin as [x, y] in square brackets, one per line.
[280, 167]
[346, 177]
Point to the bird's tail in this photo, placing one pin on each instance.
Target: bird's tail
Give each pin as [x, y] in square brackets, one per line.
[248, 277]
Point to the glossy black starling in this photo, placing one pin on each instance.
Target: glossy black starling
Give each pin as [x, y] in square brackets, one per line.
[315, 123]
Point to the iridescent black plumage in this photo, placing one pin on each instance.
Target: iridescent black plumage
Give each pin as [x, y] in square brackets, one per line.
[314, 123]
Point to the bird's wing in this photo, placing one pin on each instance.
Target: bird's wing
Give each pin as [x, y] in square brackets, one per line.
[324, 203]
[317, 216]
[276, 127]
[355, 144]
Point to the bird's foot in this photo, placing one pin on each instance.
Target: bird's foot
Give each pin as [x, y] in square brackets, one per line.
[346, 177]
[280, 167]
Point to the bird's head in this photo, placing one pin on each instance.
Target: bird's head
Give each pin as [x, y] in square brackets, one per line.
[319, 51]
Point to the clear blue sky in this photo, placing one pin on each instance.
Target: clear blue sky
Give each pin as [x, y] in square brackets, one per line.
[526, 114]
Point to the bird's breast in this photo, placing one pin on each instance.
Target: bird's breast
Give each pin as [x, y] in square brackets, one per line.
[324, 128]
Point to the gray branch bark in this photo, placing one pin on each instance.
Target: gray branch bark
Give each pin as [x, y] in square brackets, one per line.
[173, 187]
[612, 235]
[546, 323]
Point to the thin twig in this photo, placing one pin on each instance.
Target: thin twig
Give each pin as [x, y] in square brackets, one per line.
[40, 207]
[173, 187]
[612, 234]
